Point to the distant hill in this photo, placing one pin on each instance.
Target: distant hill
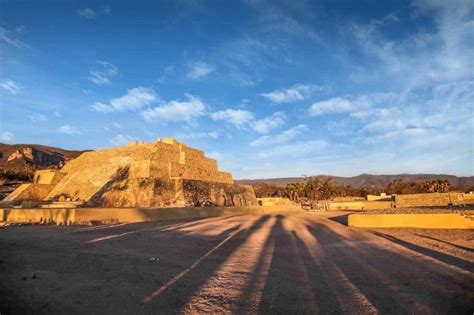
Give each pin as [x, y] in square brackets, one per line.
[28, 157]
[368, 180]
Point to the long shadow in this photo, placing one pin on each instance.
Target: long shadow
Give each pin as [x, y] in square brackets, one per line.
[342, 219]
[122, 231]
[323, 292]
[446, 258]
[448, 243]
[360, 274]
[392, 282]
[173, 295]
[286, 287]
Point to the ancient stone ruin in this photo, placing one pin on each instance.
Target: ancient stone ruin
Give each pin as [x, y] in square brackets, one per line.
[165, 173]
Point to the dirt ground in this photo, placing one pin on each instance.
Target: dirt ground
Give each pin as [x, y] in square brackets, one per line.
[276, 263]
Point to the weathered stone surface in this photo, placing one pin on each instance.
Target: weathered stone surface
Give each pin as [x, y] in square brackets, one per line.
[160, 174]
[203, 193]
[433, 199]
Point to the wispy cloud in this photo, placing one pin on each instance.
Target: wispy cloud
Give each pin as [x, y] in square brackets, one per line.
[6, 137]
[86, 13]
[269, 123]
[8, 37]
[91, 14]
[68, 129]
[11, 86]
[199, 70]
[298, 92]
[103, 75]
[120, 140]
[280, 138]
[348, 104]
[243, 118]
[198, 135]
[176, 110]
[236, 117]
[37, 117]
[135, 98]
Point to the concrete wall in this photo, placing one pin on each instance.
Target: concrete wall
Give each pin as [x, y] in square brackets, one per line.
[427, 221]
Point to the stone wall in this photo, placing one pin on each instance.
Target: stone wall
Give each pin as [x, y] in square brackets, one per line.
[26, 192]
[202, 193]
[432, 199]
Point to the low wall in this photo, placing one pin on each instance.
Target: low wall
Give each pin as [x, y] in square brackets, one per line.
[433, 199]
[114, 215]
[426, 221]
[378, 198]
[277, 201]
[360, 205]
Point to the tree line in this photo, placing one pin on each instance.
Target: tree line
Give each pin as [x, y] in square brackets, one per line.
[322, 188]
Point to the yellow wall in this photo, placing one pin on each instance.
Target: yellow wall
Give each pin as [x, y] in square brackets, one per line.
[378, 198]
[427, 221]
[276, 201]
[359, 205]
[107, 215]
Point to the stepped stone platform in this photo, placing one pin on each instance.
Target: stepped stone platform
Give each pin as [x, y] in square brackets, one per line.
[165, 173]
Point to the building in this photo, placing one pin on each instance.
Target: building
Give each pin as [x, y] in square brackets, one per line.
[164, 173]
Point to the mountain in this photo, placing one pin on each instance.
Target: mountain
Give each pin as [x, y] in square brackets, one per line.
[28, 157]
[368, 180]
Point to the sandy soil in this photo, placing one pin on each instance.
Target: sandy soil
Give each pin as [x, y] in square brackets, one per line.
[279, 263]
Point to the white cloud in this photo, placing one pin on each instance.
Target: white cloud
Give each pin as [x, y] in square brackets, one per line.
[120, 140]
[198, 135]
[103, 75]
[297, 92]
[439, 54]
[176, 110]
[135, 98]
[334, 105]
[6, 36]
[114, 125]
[101, 108]
[237, 117]
[269, 123]
[280, 138]
[348, 104]
[87, 13]
[6, 137]
[68, 129]
[37, 117]
[242, 118]
[199, 70]
[11, 86]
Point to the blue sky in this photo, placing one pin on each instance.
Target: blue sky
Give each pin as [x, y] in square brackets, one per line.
[268, 88]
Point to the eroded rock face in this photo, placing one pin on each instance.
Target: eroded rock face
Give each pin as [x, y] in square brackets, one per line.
[201, 193]
[36, 157]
